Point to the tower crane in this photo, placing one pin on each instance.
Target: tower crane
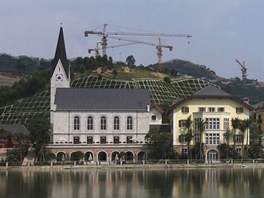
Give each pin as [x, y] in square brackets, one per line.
[158, 46]
[96, 50]
[243, 69]
[113, 46]
[106, 34]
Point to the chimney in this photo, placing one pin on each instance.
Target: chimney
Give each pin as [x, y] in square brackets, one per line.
[148, 108]
[246, 100]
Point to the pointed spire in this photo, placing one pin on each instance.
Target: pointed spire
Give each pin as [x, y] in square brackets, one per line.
[60, 54]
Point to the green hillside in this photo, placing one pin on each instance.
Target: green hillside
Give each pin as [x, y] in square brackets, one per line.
[21, 65]
[161, 92]
[30, 96]
[182, 67]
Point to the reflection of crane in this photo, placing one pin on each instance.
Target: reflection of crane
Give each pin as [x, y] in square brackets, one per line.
[243, 69]
[106, 34]
[158, 46]
[113, 46]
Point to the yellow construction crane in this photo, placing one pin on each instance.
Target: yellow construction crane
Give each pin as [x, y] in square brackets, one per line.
[113, 46]
[243, 69]
[158, 46]
[106, 34]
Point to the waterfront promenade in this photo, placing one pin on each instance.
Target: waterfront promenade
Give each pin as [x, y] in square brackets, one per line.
[165, 165]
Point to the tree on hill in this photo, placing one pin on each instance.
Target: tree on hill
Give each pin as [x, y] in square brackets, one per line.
[130, 60]
[186, 68]
[25, 87]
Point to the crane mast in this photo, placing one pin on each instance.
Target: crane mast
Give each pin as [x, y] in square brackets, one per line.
[113, 46]
[158, 46]
[104, 40]
[106, 35]
[243, 69]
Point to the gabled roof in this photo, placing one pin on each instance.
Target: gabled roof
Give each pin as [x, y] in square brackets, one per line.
[158, 107]
[211, 92]
[102, 99]
[60, 54]
[15, 128]
[258, 105]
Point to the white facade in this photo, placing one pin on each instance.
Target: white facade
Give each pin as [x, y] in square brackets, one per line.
[66, 127]
[155, 117]
[114, 129]
[58, 79]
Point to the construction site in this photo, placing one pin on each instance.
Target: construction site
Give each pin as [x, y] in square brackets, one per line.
[125, 40]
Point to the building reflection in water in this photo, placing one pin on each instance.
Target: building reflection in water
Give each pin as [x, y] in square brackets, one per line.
[119, 183]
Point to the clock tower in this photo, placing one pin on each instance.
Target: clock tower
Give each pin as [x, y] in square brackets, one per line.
[60, 72]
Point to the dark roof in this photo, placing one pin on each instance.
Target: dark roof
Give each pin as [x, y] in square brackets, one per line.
[210, 91]
[60, 54]
[102, 99]
[258, 105]
[15, 128]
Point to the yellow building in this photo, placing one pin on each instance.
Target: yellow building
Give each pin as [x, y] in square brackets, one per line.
[260, 115]
[216, 108]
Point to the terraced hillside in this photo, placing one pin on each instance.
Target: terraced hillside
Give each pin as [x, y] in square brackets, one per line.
[161, 93]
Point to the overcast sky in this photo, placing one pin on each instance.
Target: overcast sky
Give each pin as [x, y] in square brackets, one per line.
[222, 30]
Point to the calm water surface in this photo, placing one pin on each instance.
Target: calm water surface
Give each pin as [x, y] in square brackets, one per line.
[128, 183]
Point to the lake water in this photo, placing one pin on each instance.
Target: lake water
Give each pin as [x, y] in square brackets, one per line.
[128, 183]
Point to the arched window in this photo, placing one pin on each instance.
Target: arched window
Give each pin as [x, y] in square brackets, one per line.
[116, 123]
[103, 123]
[129, 123]
[90, 123]
[76, 123]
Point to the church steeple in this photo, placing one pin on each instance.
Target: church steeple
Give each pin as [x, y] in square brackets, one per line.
[60, 71]
[60, 54]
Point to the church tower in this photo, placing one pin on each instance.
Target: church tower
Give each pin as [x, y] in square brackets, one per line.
[60, 71]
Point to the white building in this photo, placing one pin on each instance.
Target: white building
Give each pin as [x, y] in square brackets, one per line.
[101, 123]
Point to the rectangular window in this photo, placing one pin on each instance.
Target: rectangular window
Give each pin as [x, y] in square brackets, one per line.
[76, 123]
[153, 117]
[259, 119]
[182, 123]
[201, 109]
[226, 123]
[129, 123]
[116, 123]
[103, 123]
[226, 136]
[90, 123]
[211, 109]
[90, 140]
[221, 109]
[103, 140]
[239, 151]
[184, 152]
[116, 139]
[76, 140]
[129, 139]
[238, 138]
[196, 123]
[239, 110]
[185, 110]
[196, 138]
[212, 123]
[212, 138]
[182, 138]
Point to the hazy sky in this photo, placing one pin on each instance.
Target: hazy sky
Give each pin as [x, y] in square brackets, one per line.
[222, 30]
